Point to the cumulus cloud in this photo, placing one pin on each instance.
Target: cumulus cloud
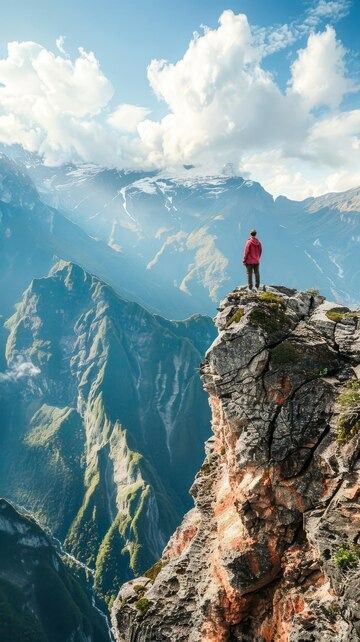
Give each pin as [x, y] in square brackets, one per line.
[222, 106]
[127, 117]
[221, 101]
[49, 103]
[318, 73]
[19, 369]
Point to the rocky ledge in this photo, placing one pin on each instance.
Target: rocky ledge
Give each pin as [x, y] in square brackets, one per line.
[271, 550]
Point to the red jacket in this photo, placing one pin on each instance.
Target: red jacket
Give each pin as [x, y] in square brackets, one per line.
[252, 251]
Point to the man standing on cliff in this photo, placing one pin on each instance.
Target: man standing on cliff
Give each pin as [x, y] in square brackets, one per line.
[251, 260]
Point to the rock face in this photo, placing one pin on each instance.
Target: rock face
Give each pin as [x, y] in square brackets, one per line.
[41, 600]
[103, 420]
[270, 552]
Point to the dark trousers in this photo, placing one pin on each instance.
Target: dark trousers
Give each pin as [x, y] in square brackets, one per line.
[253, 269]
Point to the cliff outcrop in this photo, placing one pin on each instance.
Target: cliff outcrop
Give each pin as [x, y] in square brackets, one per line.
[270, 552]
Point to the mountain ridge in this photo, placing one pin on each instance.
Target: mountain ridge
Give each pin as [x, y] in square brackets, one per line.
[34, 235]
[105, 399]
[191, 228]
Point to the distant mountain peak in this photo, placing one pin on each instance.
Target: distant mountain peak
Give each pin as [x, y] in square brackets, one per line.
[111, 416]
[16, 187]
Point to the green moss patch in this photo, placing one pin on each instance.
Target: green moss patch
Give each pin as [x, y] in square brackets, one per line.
[346, 556]
[236, 317]
[348, 424]
[339, 314]
[154, 571]
[285, 353]
[143, 604]
[270, 297]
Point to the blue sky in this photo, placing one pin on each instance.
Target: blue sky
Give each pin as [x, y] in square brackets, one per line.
[270, 87]
[126, 34]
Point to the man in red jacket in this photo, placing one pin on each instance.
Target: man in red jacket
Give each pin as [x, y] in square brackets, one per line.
[251, 260]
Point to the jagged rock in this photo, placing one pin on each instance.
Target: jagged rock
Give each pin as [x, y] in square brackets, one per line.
[276, 500]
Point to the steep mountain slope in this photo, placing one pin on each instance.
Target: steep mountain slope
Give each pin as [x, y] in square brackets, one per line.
[328, 227]
[104, 420]
[40, 599]
[192, 228]
[34, 235]
[271, 550]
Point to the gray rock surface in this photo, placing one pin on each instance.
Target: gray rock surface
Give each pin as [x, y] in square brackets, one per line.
[271, 550]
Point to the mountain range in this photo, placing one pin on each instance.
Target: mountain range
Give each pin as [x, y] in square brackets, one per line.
[103, 415]
[33, 236]
[103, 404]
[171, 242]
[190, 230]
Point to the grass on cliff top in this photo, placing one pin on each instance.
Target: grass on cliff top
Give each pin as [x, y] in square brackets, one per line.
[339, 314]
[346, 556]
[235, 318]
[270, 297]
[260, 316]
[348, 423]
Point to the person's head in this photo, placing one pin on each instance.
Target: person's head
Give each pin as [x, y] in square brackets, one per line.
[253, 233]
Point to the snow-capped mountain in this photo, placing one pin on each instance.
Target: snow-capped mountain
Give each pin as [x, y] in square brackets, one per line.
[189, 230]
[33, 235]
[178, 236]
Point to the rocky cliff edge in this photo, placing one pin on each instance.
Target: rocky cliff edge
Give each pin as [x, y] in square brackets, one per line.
[270, 552]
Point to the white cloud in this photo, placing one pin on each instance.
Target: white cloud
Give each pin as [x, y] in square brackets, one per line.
[220, 100]
[327, 161]
[60, 42]
[319, 13]
[19, 369]
[222, 106]
[127, 117]
[49, 104]
[318, 73]
[327, 10]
